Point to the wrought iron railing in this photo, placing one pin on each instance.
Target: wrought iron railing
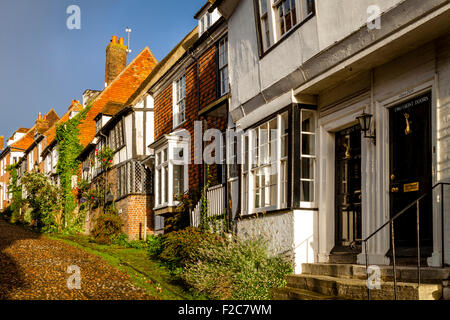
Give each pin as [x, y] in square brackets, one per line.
[391, 223]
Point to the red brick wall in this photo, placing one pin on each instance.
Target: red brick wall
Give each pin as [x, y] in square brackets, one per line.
[136, 212]
[207, 72]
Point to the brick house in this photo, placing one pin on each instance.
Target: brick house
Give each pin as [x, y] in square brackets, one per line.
[127, 130]
[190, 84]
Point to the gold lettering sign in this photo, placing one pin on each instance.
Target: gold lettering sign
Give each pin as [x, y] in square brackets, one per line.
[411, 187]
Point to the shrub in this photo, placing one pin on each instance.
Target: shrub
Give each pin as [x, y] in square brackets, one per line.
[155, 246]
[107, 228]
[179, 247]
[44, 199]
[243, 270]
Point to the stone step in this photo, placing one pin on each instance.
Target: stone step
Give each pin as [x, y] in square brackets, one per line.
[356, 289]
[288, 293]
[355, 271]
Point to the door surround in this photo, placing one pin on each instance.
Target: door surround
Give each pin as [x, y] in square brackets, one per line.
[328, 126]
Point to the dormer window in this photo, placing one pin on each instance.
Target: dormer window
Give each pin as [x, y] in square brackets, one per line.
[73, 114]
[206, 19]
[205, 22]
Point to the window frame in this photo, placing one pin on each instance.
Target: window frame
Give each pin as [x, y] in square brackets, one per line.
[177, 100]
[222, 87]
[302, 17]
[253, 149]
[164, 180]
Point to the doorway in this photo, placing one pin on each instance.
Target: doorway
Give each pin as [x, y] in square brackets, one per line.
[411, 172]
[348, 196]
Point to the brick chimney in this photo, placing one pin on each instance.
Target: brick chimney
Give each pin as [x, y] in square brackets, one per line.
[116, 59]
[42, 124]
[2, 142]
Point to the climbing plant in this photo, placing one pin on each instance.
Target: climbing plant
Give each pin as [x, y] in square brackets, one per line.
[69, 147]
[15, 190]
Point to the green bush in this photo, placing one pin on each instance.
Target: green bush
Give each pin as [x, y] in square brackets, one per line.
[179, 247]
[45, 199]
[155, 245]
[235, 269]
[107, 228]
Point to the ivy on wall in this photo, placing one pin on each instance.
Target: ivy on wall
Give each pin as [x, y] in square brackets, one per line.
[69, 147]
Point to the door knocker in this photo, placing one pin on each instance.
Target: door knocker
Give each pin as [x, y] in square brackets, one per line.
[347, 151]
[408, 124]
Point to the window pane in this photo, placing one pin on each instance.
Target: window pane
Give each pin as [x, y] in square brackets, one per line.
[178, 180]
[166, 184]
[308, 123]
[159, 182]
[308, 144]
[307, 168]
[309, 6]
[307, 193]
[263, 5]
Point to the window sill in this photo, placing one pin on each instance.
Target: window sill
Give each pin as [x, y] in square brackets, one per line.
[178, 125]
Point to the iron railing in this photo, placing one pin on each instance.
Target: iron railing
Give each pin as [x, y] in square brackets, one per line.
[391, 223]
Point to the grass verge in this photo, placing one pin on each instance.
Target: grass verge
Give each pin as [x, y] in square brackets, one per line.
[146, 273]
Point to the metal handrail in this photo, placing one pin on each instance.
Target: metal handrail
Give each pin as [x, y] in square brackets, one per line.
[391, 222]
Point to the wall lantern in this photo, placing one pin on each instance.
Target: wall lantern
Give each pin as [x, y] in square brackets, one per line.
[365, 121]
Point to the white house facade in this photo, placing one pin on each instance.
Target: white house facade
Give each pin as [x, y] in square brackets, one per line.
[318, 180]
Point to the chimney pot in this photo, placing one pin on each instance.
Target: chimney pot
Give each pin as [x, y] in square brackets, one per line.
[121, 40]
[114, 39]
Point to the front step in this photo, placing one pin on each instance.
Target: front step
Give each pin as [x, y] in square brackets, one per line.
[356, 289]
[288, 293]
[354, 271]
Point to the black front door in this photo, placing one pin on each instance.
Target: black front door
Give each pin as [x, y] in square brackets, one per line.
[410, 149]
[348, 188]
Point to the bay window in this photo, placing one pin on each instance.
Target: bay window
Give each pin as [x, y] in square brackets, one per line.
[279, 162]
[264, 182]
[171, 172]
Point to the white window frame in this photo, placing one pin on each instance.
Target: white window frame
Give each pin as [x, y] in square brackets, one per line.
[252, 149]
[165, 183]
[179, 101]
[311, 157]
[223, 67]
[269, 22]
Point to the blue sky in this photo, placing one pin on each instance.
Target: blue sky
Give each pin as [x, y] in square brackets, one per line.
[45, 65]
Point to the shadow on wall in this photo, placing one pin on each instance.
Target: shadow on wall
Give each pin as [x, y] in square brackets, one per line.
[12, 277]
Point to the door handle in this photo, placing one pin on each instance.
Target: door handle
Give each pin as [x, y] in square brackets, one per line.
[395, 190]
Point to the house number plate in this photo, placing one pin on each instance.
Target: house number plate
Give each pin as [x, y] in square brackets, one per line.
[411, 187]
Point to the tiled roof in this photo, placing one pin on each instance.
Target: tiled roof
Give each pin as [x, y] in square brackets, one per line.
[164, 66]
[111, 108]
[118, 91]
[51, 133]
[27, 140]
